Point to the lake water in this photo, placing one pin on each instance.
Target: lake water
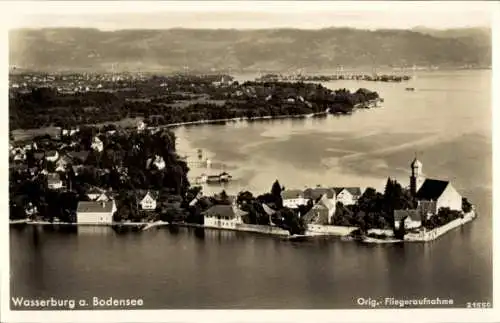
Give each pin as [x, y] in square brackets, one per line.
[447, 121]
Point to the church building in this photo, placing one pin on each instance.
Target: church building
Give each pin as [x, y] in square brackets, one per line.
[432, 194]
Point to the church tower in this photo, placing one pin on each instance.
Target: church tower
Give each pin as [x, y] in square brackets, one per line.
[416, 176]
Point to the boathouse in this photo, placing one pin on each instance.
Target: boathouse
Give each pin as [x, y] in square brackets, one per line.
[94, 212]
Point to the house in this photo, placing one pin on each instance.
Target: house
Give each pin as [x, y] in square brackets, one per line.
[293, 198]
[62, 163]
[347, 195]
[52, 156]
[149, 201]
[411, 218]
[157, 161]
[105, 197]
[223, 216]
[95, 212]
[97, 144]
[432, 194]
[70, 132]
[54, 181]
[316, 193]
[321, 212]
[94, 193]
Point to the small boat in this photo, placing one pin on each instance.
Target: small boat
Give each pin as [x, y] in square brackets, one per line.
[410, 89]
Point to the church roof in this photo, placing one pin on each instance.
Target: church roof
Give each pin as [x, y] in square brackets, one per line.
[431, 189]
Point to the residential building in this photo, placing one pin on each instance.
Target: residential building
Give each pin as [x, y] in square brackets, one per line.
[149, 201]
[347, 195]
[95, 212]
[94, 193]
[62, 163]
[321, 213]
[54, 181]
[411, 219]
[293, 198]
[223, 216]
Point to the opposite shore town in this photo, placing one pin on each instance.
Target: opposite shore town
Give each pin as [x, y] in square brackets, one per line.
[72, 164]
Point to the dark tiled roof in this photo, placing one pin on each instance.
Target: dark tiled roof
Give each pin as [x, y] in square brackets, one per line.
[81, 155]
[38, 155]
[53, 178]
[403, 214]
[431, 189]
[316, 193]
[317, 215]
[291, 194]
[51, 153]
[222, 210]
[92, 207]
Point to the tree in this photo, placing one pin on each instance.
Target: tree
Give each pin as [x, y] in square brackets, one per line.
[466, 205]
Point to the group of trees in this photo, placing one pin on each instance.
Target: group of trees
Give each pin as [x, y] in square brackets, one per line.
[43, 107]
[374, 209]
[122, 167]
[281, 216]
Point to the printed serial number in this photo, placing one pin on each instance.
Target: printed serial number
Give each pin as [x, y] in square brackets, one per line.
[478, 305]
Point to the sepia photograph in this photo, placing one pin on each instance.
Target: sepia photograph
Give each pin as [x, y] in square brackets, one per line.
[248, 155]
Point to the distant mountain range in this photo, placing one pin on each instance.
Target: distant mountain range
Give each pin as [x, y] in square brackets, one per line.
[278, 50]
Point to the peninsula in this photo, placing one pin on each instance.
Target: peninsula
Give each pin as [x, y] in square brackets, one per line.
[111, 160]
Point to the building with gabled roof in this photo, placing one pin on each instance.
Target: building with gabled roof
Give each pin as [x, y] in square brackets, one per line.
[94, 212]
[411, 219]
[321, 212]
[149, 201]
[432, 194]
[293, 198]
[347, 195]
[223, 216]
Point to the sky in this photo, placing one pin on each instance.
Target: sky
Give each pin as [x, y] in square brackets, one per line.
[116, 15]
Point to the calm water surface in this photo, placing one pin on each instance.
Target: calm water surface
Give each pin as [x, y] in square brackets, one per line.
[447, 121]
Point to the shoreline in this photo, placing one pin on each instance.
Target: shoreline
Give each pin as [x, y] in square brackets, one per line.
[208, 121]
[327, 231]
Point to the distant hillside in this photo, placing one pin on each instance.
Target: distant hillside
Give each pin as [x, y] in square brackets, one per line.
[271, 50]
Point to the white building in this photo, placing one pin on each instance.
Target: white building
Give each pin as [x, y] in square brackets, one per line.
[347, 195]
[149, 201]
[435, 194]
[97, 144]
[94, 193]
[432, 194]
[223, 216]
[293, 198]
[95, 212]
[411, 219]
